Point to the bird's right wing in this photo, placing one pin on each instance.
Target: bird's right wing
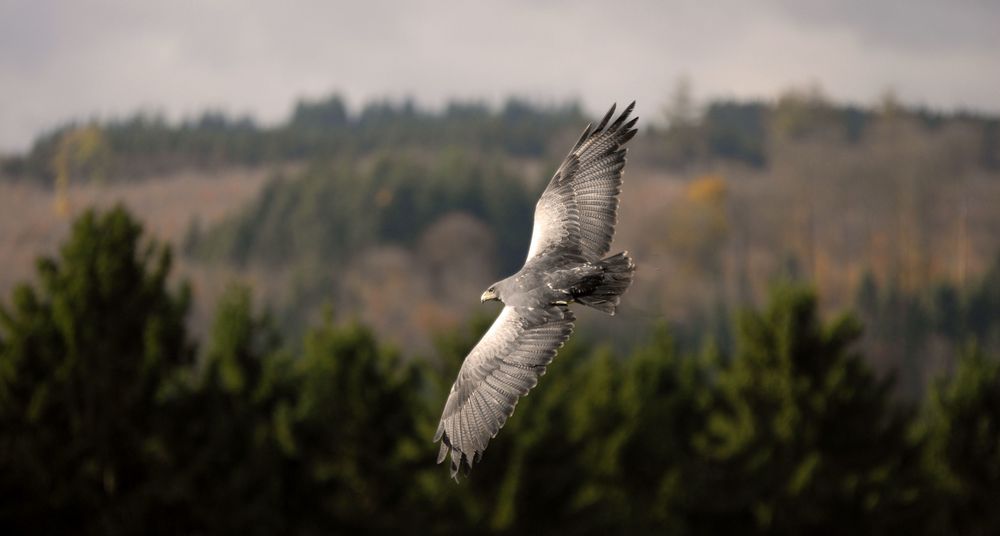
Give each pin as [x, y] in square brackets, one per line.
[578, 210]
[504, 365]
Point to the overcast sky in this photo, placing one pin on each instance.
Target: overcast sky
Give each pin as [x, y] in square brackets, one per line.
[68, 59]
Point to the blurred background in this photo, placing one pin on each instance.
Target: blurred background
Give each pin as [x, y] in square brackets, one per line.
[243, 245]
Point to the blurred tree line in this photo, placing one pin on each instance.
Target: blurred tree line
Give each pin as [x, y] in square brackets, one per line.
[112, 421]
[942, 315]
[146, 143]
[321, 223]
[334, 209]
[799, 187]
[748, 131]
[745, 132]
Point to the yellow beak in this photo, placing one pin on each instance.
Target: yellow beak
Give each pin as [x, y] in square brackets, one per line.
[487, 296]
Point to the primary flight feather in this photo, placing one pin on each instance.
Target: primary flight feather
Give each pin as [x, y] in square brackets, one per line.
[574, 224]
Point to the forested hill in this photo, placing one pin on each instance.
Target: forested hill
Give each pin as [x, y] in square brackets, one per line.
[146, 144]
[887, 210]
[333, 210]
[729, 395]
[110, 424]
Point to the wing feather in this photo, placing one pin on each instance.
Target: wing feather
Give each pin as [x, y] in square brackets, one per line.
[503, 366]
[578, 210]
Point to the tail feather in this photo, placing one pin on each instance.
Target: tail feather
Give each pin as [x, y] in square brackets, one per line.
[617, 277]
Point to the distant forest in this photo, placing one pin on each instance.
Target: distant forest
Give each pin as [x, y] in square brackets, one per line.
[146, 144]
[812, 344]
[887, 211]
[113, 420]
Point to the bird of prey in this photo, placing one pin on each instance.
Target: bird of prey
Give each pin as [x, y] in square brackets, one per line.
[574, 223]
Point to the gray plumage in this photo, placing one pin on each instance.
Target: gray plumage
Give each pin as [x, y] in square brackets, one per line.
[574, 224]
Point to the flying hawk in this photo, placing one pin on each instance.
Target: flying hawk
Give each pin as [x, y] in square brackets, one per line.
[574, 223]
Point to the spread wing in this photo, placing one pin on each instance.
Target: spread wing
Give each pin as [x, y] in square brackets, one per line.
[578, 210]
[503, 367]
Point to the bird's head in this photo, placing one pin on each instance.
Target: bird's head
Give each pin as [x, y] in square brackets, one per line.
[490, 294]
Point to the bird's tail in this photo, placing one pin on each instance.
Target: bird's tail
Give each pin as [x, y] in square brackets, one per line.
[616, 278]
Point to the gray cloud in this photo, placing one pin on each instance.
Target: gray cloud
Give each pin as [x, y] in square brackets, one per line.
[73, 59]
[907, 26]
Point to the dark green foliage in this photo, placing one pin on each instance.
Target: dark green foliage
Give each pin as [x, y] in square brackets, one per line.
[356, 432]
[325, 219]
[802, 432]
[222, 430]
[903, 326]
[326, 114]
[108, 426]
[85, 356]
[334, 211]
[964, 450]
[737, 131]
[664, 400]
[146, 144]
[981, 311]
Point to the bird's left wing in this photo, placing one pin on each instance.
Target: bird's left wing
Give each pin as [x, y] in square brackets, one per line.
[504, 365]
[578, 210]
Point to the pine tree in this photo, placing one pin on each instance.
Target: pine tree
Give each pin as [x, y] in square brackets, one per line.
[664, 398]
[226, 429]
[803, 438]
[357, 436]
[86, 351]
[963, 417]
